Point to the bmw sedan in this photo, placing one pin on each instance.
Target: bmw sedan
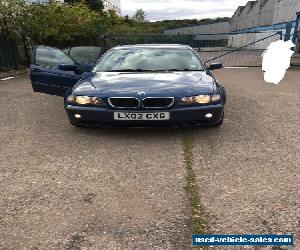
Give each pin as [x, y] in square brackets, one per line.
[134, 85]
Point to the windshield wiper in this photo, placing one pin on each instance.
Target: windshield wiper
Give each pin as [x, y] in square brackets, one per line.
[185, 69]
[148, 70]
[130, 70]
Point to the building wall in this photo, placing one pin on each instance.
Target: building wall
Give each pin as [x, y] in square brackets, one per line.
[214, 28]
[255, 13]
[262, 17]
[113, 5]
[286, 11]
[267, 16]
[264, 12]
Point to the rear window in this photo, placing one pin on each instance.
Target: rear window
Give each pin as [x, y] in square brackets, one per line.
[85, 54]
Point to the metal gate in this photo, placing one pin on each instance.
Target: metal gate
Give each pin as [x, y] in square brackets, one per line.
[242, 49]
[232, 49]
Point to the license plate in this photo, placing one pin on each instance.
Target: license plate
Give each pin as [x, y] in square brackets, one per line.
[134, 116]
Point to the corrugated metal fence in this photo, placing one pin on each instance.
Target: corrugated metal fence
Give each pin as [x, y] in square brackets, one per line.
[13, 52]
[8, 52]
[9, 56]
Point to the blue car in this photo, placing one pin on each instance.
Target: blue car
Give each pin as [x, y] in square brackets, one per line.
[134, 85]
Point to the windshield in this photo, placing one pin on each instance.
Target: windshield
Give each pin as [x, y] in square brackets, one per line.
[149, 59]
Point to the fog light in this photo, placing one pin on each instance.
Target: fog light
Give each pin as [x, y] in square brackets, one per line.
[77, 116]
[209, 115]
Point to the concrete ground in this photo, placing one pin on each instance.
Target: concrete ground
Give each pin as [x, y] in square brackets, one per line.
[69, 188]
[247, 170]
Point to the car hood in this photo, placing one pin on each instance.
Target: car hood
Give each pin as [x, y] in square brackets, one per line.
[152, 84]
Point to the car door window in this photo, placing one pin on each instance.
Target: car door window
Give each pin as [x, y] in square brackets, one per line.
[51, 57]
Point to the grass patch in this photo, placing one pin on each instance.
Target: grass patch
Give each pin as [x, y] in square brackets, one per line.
[198, 223]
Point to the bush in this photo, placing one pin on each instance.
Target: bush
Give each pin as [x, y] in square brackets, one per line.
[55, 21]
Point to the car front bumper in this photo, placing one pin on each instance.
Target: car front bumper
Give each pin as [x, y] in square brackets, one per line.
[179, 116]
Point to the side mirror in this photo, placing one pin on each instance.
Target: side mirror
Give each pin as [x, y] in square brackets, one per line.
[68, 67]
[214, 66]
[86, 67]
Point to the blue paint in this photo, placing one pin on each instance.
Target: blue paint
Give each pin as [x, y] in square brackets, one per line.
[296, 36]
[288, 30]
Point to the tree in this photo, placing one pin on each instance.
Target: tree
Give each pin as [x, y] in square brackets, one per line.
[62, 23]
[96, 5]
[65, 24]
[140, 16]
[11, 15]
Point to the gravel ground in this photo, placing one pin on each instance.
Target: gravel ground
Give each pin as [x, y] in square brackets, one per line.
[69, 188]
[4, 74]
[246, 171]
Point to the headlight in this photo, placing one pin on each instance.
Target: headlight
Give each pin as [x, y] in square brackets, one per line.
[201, 99]
[84, 100]
[215, 98]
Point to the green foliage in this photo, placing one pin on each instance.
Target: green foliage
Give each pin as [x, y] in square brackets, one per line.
[58, 22]
[160, 26]
[96, 5]
[54, 21]
[11, 14]
[139, 16]
[76, 22]
[131, 25]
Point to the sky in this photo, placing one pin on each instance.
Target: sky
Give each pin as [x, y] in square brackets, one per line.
[182, 9]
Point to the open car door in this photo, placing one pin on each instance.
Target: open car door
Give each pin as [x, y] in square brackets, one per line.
[53, 72]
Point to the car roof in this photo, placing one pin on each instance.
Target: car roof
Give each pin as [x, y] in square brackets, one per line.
[154, 46]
